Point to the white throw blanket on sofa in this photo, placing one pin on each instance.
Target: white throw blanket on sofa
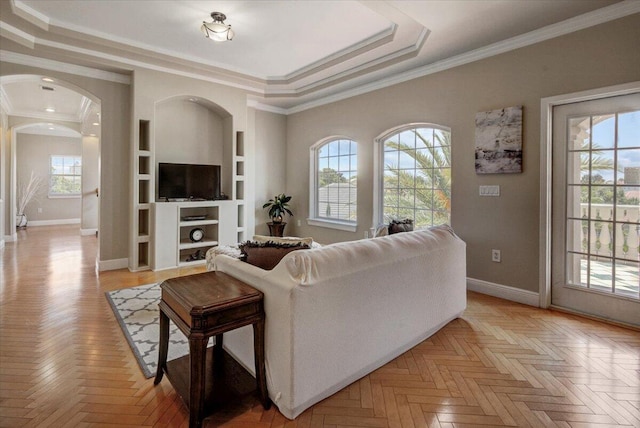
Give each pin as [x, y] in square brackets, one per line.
[336, 313]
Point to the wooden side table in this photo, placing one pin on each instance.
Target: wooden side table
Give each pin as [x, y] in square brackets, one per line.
[204, 305]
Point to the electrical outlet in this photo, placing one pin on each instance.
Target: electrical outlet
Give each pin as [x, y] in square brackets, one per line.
[299, 224]
[495, 256]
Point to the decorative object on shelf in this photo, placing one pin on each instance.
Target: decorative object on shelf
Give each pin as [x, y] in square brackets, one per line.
[217, 30]
[194, 217]
[26, 193]
[196, 234]
[499, 141]
[198, 255]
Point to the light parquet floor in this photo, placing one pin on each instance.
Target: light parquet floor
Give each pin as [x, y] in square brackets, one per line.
[64, 361]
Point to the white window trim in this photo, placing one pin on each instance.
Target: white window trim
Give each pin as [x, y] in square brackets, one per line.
[378, 167]
[69, 196]
[313, 220]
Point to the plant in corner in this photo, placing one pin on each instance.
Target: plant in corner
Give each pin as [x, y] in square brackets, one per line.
[278, 207]
[26, 193]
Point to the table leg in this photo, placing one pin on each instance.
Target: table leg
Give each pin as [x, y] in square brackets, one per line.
[218, 346]
[197, 356]
[261, 378]
[162, 347]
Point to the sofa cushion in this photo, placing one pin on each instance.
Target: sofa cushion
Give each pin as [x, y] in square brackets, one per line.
[266, 255]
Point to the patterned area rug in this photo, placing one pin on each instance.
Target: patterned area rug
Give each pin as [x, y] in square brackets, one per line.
[137, 312]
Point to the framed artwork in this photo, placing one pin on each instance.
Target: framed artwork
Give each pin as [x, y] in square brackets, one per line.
[499, 141]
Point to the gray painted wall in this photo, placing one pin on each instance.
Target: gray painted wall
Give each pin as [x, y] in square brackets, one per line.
[32, 154]
[600, 56]
[270, 164]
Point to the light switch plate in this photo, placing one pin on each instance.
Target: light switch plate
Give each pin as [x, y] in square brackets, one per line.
[489, 190]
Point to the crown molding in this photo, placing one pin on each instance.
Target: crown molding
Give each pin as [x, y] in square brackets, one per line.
[349, 52]
[265, 107]
[390, 58]
[600, 16]
[17, 35]
[30, 14]
[47, 117]
[50, 64]
[5, 102]
[590, 19]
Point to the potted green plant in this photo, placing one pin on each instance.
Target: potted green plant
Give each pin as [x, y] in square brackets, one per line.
[278, 207]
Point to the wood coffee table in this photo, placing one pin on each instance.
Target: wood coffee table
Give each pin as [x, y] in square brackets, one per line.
[204, 305]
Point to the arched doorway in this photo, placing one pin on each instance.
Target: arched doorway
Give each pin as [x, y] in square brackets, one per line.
[51, 112]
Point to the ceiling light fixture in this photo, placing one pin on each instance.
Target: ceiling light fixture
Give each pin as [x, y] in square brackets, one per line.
[50, 110]
[217, 30]
[47, 79]
[95, 124]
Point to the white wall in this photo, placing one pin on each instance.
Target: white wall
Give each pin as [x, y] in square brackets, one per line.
[90, 181]
[4, 129]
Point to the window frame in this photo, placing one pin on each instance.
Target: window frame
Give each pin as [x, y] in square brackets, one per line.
[314, 219]
[52, 195]
[378, 173]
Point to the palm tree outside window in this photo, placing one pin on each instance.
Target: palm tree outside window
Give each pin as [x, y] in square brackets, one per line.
[416, 175]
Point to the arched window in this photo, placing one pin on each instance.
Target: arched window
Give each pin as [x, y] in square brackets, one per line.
[413, 175]
[333, 188]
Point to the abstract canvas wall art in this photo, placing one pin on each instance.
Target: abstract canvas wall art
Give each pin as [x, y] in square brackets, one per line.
[499, 141]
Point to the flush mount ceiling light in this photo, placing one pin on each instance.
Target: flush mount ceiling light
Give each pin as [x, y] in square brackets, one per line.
[217, 30]
[50, 110]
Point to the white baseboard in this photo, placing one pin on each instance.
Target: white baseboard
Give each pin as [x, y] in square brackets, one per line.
[102, 265]
[87, 232]
[11, 238]
[53, 222]
[504, 292]
[1, 244]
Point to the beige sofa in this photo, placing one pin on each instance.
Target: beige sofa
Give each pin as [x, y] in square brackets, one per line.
[336, 313]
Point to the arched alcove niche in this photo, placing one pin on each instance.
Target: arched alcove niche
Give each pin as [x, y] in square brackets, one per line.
[193, 130]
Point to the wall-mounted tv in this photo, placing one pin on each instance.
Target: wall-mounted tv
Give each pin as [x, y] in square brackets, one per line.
[181, 181]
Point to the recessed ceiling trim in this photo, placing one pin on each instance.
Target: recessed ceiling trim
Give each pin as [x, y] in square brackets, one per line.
[30, 14]
[50, 64]
[351, 51]
[387, 59]
[581, 22]
[49, 117]
[142, 46]
[17, 35]
[265, 107]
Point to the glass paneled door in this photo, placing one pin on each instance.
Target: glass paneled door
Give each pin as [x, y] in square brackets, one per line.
[596, 208]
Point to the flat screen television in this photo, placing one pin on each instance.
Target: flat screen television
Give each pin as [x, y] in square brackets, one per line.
[181, 181]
